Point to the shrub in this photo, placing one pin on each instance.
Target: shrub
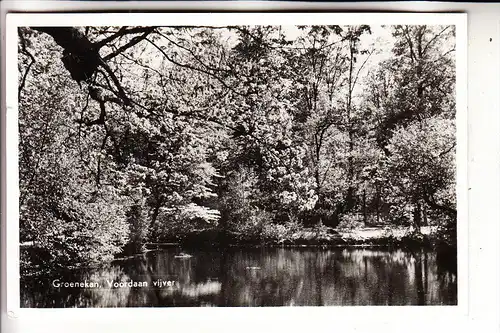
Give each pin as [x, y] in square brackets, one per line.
[253, 224]
[351, 221]
[77, 232]
[275, 232]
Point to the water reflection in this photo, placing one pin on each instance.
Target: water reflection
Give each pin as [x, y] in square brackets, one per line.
[255, 277]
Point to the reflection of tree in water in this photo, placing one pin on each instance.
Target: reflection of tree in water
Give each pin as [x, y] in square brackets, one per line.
[362, 277]
[318, 272]
[224, 278]
[194, 278]
[34, 292]
[135, 269]
[446, 271]
[39, 291]
[106, 297]
[419, 279]
[260, 277]
[162, 266]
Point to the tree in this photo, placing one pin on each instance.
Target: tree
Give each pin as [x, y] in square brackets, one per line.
[422, 73]
[411, 99]
[66, 217]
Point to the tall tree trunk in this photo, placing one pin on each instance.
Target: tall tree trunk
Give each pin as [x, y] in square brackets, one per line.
[365, 219]
[350, 161]
[154, 217]
[424, 213]
[224, 280]
[417, 215]
[426, 274]
[319, 282]
[418, 279]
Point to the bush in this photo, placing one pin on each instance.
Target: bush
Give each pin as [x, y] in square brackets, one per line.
[77, 232]
[275, 232]
[320, 229]
[253, 224]
[282, 232]
[351, 221]
[293, 224]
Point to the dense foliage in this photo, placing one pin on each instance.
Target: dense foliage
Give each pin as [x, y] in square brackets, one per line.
[137, 134]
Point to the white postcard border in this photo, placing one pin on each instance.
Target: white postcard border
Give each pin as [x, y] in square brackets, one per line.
[343, 316]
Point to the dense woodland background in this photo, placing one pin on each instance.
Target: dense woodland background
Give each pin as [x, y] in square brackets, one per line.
[144, 134]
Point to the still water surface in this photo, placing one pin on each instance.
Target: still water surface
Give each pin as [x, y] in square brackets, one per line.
[253, 277]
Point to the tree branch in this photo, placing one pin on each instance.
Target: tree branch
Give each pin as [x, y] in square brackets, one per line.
[429, 199]
[128, 45]
[360, 68]
[193, 54]
[410, 43]
[122, 32]
[194, 68]
[33, 60]
[121, 92]
[434, 38]
[81, 57]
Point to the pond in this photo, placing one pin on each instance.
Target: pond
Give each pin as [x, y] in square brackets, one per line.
[253, 277]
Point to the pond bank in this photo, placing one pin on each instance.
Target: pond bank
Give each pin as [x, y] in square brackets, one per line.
[365, 237]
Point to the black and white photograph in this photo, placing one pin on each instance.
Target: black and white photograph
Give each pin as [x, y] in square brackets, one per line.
[238, 165]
